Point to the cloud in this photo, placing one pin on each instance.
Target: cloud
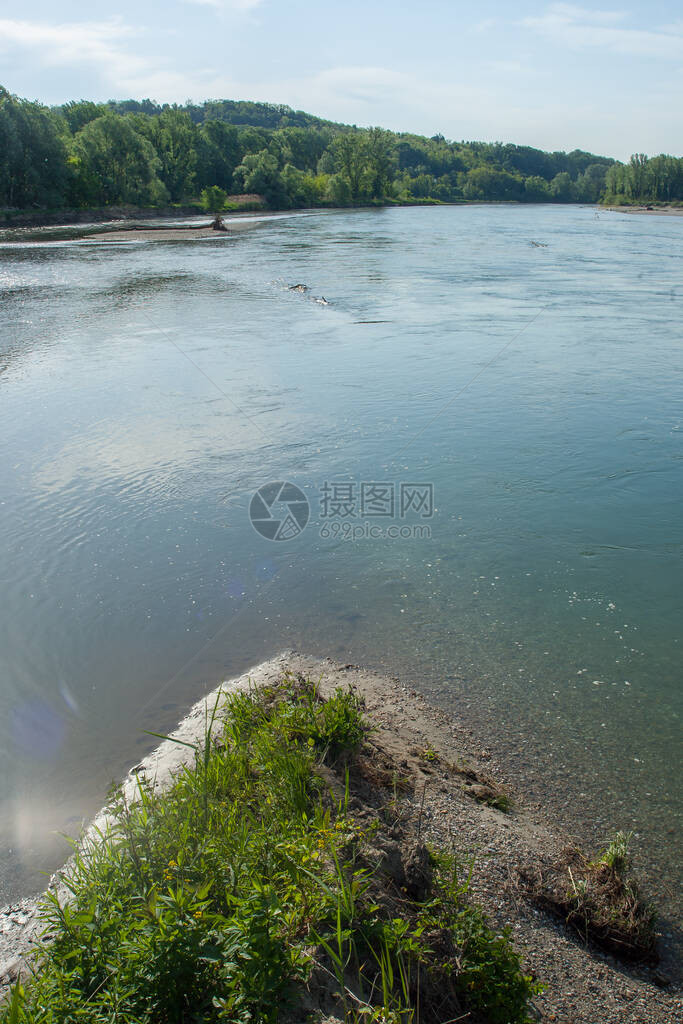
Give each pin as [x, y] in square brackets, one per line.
[238, 6]
[74, 44]
[585, 29]
[101, 54]
[65, 43]
[572, 11]
[361, 85]
[102, 51]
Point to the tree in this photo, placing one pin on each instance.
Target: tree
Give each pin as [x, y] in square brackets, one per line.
[380, 159]
[486, 182]
[561, 187]
[589, 186]
[339, 190]
[173, 136]
[213, 200]
[350, 156]
[218, 154]
[536, 189]
[140, 152]
[114, 164]
[78, 113]
[259, 173]
[33, 157]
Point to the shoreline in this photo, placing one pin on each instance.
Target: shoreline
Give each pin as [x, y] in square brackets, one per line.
[130, 229]
[579, 981]
[160, 234]
[659, 211]
[118, 215]
[24, 220]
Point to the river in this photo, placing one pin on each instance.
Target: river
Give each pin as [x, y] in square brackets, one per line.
[484, 421]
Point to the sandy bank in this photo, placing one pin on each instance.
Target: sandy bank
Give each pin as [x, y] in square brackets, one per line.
[660, 211]
[178, 234]
[582, 987]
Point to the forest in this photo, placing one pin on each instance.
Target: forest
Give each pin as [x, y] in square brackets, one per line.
[86, 155]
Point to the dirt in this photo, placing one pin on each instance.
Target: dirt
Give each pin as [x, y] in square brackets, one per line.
[442, 784]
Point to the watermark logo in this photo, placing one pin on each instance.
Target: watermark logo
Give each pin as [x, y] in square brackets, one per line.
[348, 510]
[279, 511]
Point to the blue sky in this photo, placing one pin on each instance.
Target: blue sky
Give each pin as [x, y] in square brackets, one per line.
[608, 78]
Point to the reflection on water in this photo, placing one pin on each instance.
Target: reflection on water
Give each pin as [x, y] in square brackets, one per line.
[148, 390]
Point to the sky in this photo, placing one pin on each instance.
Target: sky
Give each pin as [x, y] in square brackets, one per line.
[605, 78]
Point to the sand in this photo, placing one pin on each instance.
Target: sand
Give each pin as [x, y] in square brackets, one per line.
[179, 234]
[660, 211]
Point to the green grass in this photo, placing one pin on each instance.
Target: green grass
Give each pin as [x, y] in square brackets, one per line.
[224, 897]
[615, 855]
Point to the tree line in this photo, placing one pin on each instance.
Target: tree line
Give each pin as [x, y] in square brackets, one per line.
[645, 179]
[86, 155]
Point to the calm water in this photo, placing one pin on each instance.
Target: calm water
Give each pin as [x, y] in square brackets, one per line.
[148, 390]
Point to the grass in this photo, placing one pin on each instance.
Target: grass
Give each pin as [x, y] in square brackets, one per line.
[241, 894]
[429, 754]
[615, 856]
[600, 900]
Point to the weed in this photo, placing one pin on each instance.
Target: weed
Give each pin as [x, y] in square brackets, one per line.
[616, 856]
[204, 902]
[599, 899]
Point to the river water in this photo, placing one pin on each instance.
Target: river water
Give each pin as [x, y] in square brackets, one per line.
[485, 421]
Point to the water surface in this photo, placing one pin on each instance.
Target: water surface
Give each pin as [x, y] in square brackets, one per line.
[148, 389]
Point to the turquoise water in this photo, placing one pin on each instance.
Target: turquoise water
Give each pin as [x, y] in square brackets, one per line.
[147, 390]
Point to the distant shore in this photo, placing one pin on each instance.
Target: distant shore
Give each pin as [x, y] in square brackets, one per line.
[243, 206]
[660, 211]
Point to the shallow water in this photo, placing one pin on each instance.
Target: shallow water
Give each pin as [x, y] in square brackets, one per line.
[147, 390]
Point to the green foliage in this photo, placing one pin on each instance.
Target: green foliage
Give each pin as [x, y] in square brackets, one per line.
[332, 726]
[218, 154]
[213, 199]
[260, 173]
[33, 156]
[139, 152]
[349, 154]
[561, 187]
[174, 138]
[484, 969]
[114, 163]
[205, 902]
[644, 180]
[80, 112]
[615, 855]
[490, 183]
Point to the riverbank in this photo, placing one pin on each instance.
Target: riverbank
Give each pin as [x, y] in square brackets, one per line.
[239, 204]
[69, 216]
[175, 234]
[661, 211]
[444, 789]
